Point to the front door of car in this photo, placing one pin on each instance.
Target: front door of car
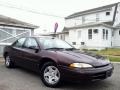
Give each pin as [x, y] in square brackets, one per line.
[31, 55]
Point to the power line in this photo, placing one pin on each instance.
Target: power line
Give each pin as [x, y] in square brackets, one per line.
[28, 10]
[8, 5]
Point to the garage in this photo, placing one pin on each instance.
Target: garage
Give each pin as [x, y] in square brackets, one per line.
[12, 29]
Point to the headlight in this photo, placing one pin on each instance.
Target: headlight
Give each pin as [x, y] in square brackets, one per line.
[80, 65]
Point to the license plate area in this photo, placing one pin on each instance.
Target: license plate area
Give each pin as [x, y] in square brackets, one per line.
[108, 73]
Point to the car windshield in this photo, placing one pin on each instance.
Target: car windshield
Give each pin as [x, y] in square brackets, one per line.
[49, 43]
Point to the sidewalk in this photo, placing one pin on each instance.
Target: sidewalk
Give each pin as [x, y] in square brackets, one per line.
[1, 59]
[116, 62]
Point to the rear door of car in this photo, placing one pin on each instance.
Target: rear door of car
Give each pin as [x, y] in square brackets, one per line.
[31, 55]
[17, 49]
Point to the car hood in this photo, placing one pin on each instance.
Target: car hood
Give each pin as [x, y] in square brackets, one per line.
[84, 57]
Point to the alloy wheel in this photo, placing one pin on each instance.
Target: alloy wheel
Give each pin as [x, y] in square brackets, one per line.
[51, 75]
[7, 61]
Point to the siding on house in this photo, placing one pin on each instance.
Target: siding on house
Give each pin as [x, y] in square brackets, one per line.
[97, 40]
[98, 16]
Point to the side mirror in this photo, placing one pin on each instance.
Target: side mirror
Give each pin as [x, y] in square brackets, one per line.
[34, 48]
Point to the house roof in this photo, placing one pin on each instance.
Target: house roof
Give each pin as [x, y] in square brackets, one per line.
[90, 11]
[7, 21]
[88, 25]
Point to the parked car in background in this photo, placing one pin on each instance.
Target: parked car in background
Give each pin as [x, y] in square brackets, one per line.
[56, 60]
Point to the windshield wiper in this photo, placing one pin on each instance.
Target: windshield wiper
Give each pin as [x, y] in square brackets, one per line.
[54, 48]
[70, 49]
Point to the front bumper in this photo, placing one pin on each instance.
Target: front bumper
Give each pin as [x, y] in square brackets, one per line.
[90, 74]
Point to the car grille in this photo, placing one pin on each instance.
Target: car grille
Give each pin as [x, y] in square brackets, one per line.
[101, 66]
[102, 75]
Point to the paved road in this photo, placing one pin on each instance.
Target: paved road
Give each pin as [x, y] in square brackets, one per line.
[20, 79]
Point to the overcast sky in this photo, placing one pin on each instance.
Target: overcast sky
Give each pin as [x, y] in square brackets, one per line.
[46, 12]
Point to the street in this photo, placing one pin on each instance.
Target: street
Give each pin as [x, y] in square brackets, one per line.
[20, 79]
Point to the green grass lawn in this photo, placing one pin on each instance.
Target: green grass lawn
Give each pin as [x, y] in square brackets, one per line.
[113, 54]
[114, 59]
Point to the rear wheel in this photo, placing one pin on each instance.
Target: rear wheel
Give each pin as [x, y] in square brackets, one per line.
[8, 62]
[51, 75]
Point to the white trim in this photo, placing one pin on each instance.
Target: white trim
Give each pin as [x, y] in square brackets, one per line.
[2, 44]
[14, 28]
[13, 36]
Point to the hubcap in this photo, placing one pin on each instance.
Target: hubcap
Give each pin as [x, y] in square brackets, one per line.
[7, 61]
[51, 75]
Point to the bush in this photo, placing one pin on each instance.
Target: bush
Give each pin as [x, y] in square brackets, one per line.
[85, 49]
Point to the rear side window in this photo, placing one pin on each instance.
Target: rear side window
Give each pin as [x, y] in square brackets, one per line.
[19, 42]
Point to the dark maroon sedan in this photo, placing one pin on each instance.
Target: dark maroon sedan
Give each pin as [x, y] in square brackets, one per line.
[56, 60]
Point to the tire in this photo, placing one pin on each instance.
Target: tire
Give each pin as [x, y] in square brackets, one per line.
[50, 75]
[8, 62]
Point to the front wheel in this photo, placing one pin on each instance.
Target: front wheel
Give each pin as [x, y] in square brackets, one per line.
[8, 62]
[51, 75]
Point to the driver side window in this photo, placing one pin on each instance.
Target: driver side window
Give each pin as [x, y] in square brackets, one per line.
[30, 43]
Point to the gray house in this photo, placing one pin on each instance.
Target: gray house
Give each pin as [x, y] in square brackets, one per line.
[11, 29]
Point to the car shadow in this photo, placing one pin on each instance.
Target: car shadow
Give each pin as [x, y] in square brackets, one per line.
[97, 85]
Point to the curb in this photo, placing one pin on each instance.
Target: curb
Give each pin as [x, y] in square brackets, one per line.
[1, 61]
[116, 62]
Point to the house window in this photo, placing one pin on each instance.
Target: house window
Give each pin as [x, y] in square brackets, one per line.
[107, 13]
[82, 43]
[74, 43]
[95, 31]
[105, 34]
[90, 34]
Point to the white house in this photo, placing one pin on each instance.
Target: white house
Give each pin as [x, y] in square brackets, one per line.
[11, 29]
[96, 28]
